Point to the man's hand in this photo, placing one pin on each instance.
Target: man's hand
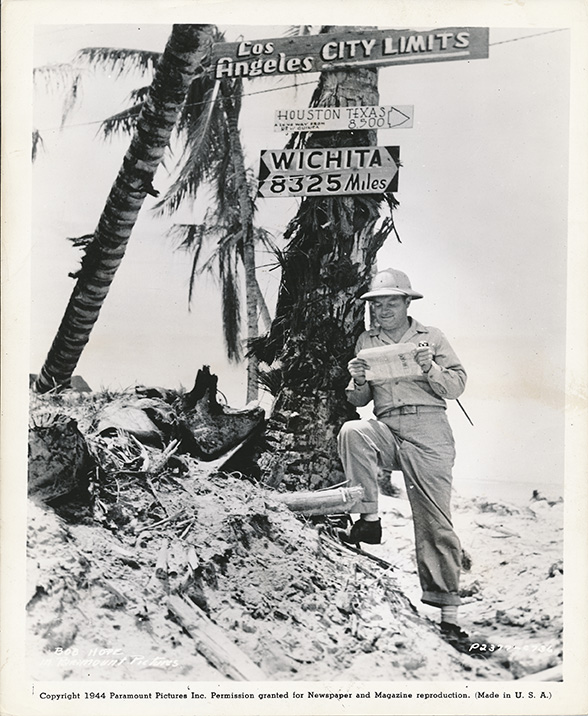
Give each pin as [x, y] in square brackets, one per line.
[357, 367]
[424, 357]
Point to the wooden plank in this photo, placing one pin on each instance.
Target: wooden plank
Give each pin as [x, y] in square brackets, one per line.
[213, 643]
[335, 51]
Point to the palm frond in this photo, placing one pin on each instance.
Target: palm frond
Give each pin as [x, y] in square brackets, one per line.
[223, 252]
[118, 60]
[216, 35]
[299, 30]
[270, 379]
[65, 78]
[188, 237]
[72, 98]
[265, 238]
[222, 264]
[205, 116]
[37, 143]
[181, 189]
[206, 156]
[203, 157]
[191, 238]
[202, 123]
[139, 95]
[123, 122]
[231, 241]
[198, 100]
[57, 77]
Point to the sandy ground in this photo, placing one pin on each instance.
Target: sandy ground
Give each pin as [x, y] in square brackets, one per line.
[290, 602]
[513, 593]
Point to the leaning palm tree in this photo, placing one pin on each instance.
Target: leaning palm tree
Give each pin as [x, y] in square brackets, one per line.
[213, 155]
[182, 59]
[332, 245]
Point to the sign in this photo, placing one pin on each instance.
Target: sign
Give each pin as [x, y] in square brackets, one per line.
[328, 171]
[320, 119]
[334, 51]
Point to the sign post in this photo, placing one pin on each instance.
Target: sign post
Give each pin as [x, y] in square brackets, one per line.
[333, 119]
[344, 50]
[328, 171]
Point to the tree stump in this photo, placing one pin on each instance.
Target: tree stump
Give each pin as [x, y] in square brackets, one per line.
[216, 428]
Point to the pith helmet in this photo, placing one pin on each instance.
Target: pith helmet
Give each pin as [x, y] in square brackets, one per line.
[390, 282]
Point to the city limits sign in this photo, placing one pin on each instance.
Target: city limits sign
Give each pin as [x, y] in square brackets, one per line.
[344, 50]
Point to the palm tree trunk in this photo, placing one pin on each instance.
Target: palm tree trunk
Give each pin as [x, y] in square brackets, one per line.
[328, 261]
[176, 70]
[246, 212]
[264, 313]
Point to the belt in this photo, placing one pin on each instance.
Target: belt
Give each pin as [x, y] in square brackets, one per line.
[410, 410]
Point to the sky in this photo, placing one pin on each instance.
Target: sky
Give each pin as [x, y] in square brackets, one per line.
[483, 192]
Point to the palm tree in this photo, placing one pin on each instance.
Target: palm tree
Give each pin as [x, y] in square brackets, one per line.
[212, 154]
[332, 247]
[181, 60]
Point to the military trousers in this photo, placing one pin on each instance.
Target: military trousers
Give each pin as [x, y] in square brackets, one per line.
[419, 442]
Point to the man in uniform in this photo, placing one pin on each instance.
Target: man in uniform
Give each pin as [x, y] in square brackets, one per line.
[410, 433]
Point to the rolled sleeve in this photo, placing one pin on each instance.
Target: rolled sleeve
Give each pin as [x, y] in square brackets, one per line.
[447, 377]
[358, 395]
[446, 383]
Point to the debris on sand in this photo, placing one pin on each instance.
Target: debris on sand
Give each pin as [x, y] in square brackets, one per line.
[156, 565]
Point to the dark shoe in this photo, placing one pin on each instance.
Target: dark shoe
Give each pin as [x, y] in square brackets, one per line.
[463, 642]
[362, 531]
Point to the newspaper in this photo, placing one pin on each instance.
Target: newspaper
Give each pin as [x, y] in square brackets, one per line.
[390, 362]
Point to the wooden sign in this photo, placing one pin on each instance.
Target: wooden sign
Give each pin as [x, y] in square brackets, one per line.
[321, 119]
[328, 171]
[334, 51]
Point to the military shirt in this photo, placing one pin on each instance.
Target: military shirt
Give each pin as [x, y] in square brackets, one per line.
[446, 378]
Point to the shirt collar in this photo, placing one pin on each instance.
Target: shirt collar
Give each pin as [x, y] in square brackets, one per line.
[415, 327]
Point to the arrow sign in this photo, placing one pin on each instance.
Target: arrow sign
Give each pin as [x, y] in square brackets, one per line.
[321, 119]
[328, 171]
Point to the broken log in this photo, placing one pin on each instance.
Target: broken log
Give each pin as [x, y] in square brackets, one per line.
[213, 643]
[195, 422]
[324, 502]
